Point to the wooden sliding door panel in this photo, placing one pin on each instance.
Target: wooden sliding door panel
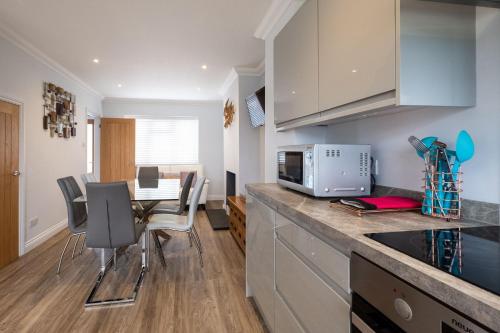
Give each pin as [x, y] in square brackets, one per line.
[9, 183]
[117, 149]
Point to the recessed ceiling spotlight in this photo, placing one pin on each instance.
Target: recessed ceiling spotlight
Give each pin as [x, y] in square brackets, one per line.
[198, 88]
[95, 61]
[354, 70]
[119, 85]
[204, 66]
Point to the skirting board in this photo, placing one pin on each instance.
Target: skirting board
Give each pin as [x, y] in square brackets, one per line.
[44, 235]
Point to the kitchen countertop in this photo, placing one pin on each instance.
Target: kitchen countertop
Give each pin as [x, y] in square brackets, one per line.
[346, 231]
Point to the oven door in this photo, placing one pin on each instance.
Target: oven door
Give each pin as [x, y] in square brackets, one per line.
[367, 319]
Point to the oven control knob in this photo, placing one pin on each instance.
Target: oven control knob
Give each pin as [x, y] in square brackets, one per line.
[327, 189]
[403, 309]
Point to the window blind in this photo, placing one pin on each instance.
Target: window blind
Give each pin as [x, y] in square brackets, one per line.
[166, 141]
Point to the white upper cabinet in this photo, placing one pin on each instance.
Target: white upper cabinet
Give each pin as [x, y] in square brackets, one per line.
[296, 65]
[339, 60]
[357, 50]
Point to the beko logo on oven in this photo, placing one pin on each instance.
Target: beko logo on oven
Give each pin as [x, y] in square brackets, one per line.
[462, 326]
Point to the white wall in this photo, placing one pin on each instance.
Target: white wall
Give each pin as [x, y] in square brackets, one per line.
[243, 144]
[231, 135]
[46, 158]
[209, 114]
[97, 145]
[249, 141]
[400, 167]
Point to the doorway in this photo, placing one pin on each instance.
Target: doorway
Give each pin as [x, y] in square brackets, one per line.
[9, 182]
[90, 145]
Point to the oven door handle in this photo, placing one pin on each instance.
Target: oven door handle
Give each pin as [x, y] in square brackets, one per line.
[360, 324]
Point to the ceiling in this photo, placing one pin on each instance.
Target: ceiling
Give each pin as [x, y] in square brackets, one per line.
[152, 48]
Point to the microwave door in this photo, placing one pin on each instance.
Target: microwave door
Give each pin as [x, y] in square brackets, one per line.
[291, 166]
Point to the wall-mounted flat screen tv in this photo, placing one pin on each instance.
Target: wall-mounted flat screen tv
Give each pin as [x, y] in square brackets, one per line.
[256, 107]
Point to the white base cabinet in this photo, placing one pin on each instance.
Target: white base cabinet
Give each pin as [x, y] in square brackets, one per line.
[284, 320]
[316, 305]
[260, 257]
[299, 283]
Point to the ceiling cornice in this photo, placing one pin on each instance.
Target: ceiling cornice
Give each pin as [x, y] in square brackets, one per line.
[127, 100]
[251, 71]
[276, 17]
[36, 53]
[231, 77]
[235, 72]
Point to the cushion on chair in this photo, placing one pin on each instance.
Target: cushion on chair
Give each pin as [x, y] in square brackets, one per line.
[164, 208]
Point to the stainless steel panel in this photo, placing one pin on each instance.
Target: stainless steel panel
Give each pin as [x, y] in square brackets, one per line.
[344, 173]
[406, 306]
[335, 170]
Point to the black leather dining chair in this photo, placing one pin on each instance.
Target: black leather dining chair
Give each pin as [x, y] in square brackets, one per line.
[111, 225]
[145, 176]
[180, 206]
[77, 214]
[148, 173]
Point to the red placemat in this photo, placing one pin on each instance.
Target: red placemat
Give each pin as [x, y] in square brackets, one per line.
[392, 202]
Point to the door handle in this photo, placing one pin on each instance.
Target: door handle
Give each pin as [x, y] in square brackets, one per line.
[16, 173]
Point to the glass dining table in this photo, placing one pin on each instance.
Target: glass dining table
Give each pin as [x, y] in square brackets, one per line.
[150, 191]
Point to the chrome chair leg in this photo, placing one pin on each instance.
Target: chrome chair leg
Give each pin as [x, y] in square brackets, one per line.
[147, 241]
[104, 269]
[114, 259]
[62, 254]
[198, 247]
[74, 246]
[83, 243]
[144, 249]
[197, 238]
[159, 249]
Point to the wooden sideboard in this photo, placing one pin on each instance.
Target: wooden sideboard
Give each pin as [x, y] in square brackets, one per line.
[237, 219]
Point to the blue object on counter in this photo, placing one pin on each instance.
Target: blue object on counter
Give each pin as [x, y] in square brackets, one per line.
[428, 142]
[464, 152]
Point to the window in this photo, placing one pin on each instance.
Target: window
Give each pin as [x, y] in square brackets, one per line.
[166, 141]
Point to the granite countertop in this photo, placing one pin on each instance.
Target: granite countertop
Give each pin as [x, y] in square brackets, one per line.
[346, 231]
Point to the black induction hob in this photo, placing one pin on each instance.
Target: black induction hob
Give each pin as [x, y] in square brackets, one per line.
[470, 254]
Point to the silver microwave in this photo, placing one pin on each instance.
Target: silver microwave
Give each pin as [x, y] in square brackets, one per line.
[325, 170]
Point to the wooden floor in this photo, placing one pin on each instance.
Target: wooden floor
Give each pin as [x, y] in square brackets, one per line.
[180, 298]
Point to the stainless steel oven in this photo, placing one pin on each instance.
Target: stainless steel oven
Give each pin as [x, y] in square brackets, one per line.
[325, 170]
[381, 302]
